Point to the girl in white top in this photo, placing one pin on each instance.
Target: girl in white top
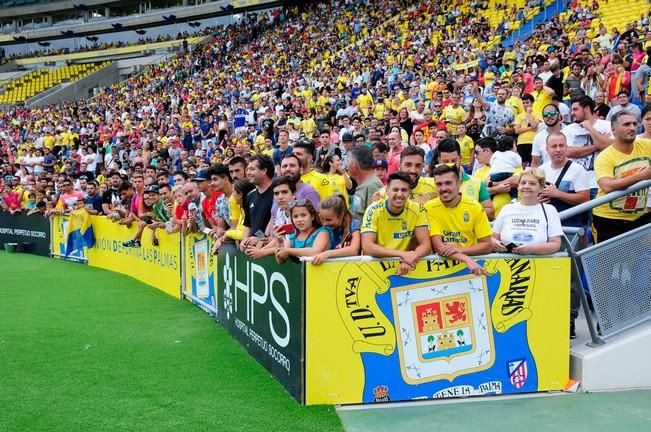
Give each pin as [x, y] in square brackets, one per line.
[528, 227]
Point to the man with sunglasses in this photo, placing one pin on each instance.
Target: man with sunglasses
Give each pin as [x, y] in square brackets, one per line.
[68, 199]
[552, 121]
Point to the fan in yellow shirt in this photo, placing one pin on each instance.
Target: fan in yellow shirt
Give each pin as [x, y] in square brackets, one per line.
[459, 227]
[625, 162]
[454, 114]
[542, 96]
[304, 151]
[396, 226]
[365, 102]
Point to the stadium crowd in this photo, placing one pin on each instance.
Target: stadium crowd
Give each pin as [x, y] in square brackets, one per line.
[330, 131]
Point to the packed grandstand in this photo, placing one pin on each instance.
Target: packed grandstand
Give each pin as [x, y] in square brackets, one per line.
[338, 128]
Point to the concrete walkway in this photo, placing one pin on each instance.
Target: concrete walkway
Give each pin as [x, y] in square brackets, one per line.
[576, 412]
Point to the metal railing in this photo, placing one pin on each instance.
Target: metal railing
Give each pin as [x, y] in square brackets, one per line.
[617, 273]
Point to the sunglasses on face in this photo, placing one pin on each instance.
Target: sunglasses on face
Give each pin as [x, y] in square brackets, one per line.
[549, 113]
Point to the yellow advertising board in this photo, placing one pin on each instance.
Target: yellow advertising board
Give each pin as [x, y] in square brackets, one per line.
[438, 332]
[158, 266]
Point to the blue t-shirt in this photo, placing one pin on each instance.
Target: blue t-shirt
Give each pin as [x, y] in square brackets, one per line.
[309, 242]
[339, 233]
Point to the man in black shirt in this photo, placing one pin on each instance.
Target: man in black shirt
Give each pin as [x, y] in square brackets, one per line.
[93, 201]
[257, 205]
[111, 198]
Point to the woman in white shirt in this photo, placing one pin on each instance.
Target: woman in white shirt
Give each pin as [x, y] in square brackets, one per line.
[528, 227]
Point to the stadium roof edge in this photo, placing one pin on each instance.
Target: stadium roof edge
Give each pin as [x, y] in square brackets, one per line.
[140, 21]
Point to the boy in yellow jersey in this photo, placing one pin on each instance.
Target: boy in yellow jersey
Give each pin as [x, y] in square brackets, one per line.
[396, 226]
[624, 163]
[412, 162]
[458, 225]
[467, 146]
[304, 150]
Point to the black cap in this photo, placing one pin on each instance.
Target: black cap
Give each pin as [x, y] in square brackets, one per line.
[152, 189]
[200, 176]
[347, 137]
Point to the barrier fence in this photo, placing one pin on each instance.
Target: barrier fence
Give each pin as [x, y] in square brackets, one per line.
[615, 273]
[29, 233]
[350, 330]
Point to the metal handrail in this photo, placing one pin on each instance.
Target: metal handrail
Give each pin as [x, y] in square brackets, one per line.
[581, 208]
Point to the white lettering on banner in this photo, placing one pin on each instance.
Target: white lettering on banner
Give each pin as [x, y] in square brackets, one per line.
[490, 387]
[250, 289]
[255, 297]
[280, 279]
[265, 346]
[22, 232]
[244, 287]
[259, 289]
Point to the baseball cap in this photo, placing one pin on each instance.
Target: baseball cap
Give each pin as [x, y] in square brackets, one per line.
[380, 163]
[347, 137]
[152, 189]
[201, 176]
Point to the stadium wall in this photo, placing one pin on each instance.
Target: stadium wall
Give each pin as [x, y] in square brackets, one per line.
[351, 331]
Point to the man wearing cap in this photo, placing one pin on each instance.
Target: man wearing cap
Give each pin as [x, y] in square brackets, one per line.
[380, 168]
[209, 197]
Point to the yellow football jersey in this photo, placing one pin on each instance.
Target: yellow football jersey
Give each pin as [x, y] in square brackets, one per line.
[463, 225]
[320, 182]
[425, 186]
[394, 231]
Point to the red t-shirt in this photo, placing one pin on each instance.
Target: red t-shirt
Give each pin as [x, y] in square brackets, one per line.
[208, 205]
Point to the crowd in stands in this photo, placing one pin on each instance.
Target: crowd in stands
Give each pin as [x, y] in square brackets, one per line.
[330, 131]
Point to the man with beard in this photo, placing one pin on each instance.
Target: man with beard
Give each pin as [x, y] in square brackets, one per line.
[448, 152]
[111, 198]
[552, 120]
[586, 137]
[621, 165]
[292, 167]
[458, 224]
[499, 117]
[412, 162]
[304, 150]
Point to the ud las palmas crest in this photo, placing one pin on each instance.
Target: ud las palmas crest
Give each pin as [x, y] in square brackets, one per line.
[445, 328]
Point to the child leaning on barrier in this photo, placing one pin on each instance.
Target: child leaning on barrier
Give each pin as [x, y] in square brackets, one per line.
[347, 239]
[309, 237]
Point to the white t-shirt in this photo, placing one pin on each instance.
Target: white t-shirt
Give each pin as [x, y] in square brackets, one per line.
[565, 111]
[575, 178]
[577, 136]
[539, 146]
[521, 224]
[505, 162]
[90, 159]
[38, 169]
